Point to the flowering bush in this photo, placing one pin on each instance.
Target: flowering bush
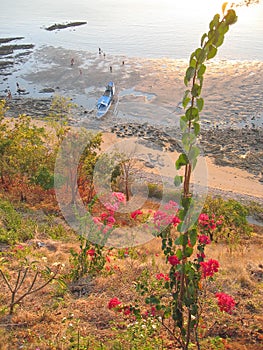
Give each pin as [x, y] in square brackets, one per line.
[114, 303]
[173, 260]
[179, 306]
[208, 225]
[135, 213]
[209, 268]
[118, 306]
[92, 256]
[225, 302]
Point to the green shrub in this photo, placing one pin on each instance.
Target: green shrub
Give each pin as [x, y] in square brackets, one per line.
[13, 228]
[235, 225]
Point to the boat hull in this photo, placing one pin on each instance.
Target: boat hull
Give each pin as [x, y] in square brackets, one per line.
[105, 101]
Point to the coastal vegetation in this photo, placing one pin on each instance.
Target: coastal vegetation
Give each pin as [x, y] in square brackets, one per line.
[65, 285]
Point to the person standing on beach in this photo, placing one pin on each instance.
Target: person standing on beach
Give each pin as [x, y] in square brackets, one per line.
[19, 89]
[99, 50]
[72, 62]
[9, 95]
[111, 69]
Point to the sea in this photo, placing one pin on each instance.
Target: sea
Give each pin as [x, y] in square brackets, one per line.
[133, 28]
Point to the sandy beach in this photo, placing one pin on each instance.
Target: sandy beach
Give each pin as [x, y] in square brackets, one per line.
[147, 107]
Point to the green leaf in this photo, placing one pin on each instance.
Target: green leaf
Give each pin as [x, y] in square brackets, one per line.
[186, 99]
[212, 52]
[188, 139]
[219, 39]
[191, 113]
[223, 28]
[181, 161]
[196, 128]
[204, 36]
[196, 90]
[183, 123]
[193, 63]
[181, 240]
[193, 237]
[190, 72]
[211, 33]
[152, 300]
[231, 17]
[200, 103]
[200, 54]
[188, 251]
[179, 254]
[194, 153]
[201, 71]
[178, 180]
[216, 19]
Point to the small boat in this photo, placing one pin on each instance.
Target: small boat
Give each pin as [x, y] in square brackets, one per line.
[105, 100]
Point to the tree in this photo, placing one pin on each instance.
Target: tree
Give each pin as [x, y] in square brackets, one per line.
[24, 150]
[59, 114]
[76, 160]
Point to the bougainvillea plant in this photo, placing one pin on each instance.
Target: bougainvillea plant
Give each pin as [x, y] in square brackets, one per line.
[178, 308]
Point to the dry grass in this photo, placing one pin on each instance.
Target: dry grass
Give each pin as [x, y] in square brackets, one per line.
[51, 317]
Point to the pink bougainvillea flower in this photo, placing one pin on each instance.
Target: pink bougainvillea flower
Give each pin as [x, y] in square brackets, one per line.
[120, 196]
[110, 220]
[97, 220]
[114, 303]
[203, 219]
[135, 213]
[162, 276]
[126, 310]
[209, 268]
[153, 311]
[212, 226]
[225, 302]
[203, 239]
[171, 205]
[91, 252]
[176, 221]
[173, 260]
[104, 216]
[111, 206]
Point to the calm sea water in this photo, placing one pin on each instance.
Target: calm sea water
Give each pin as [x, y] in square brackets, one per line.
[135, 28]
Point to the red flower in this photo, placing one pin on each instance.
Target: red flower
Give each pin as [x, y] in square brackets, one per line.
[153, 310]
[120, 196]
[203, 219]
[173, 260]
[126, 310]
[203, 239]
[225, 302]
[209, 267]
[114, 303]
[176, 220]
[91, 252]
[135, 213]
[161, 276]
[104, 216]
[110, 221]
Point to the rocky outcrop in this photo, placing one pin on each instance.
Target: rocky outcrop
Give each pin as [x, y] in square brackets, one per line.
[64, 25]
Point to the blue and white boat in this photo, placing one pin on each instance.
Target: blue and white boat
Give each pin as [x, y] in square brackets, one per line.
[105, 100]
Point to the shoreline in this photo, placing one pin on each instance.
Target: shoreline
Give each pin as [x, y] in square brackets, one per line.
[238, 148]
[148, 103]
